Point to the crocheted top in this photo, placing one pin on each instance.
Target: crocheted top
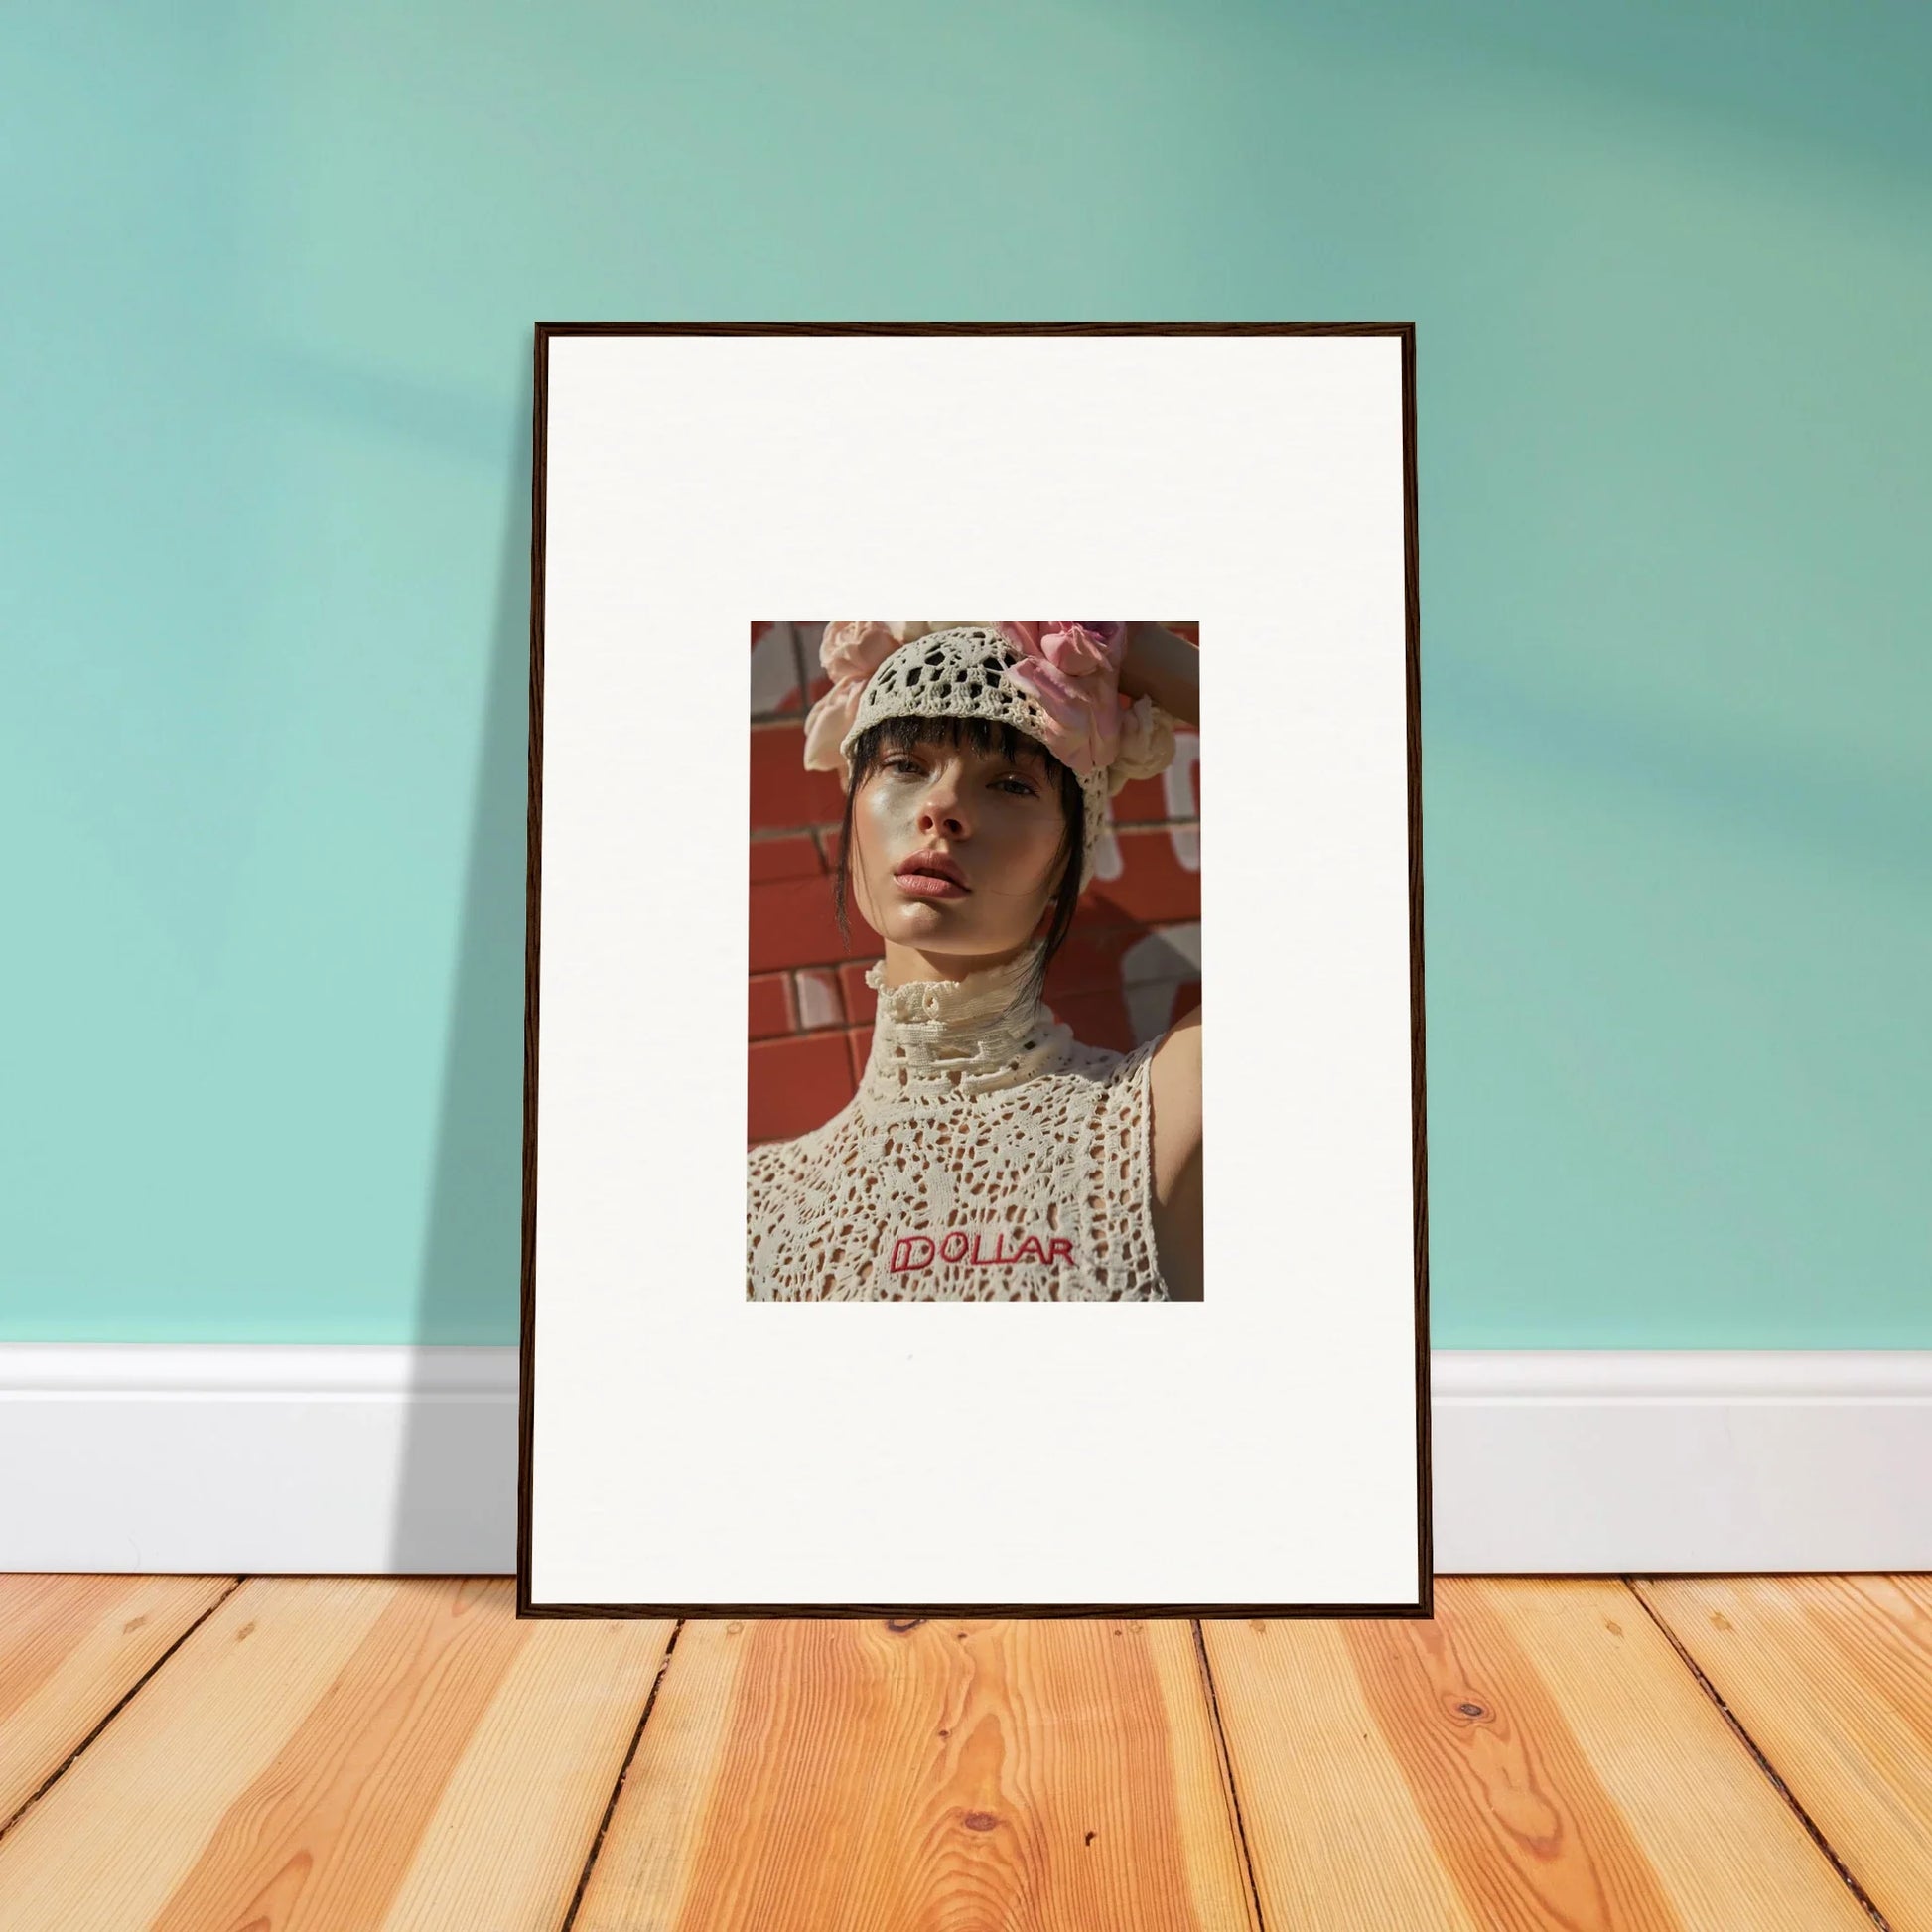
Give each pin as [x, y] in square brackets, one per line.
[988, 1156]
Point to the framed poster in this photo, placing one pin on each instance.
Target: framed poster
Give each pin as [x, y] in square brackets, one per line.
[895, 1242]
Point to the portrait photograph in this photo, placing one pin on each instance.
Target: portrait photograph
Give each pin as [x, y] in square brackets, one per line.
[869, 1095]
[974, 1015]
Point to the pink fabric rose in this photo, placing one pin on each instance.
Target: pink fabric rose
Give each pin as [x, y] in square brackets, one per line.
[1078, 646]
[848, 652]
[1146, 744]
[857, 648]
[1070, 668]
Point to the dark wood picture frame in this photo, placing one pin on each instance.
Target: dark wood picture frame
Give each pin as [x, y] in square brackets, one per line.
[1423, 1608]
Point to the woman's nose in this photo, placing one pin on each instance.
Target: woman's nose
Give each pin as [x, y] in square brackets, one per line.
[942, 807]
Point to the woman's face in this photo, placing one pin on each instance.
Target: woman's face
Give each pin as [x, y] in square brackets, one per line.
[995, 819]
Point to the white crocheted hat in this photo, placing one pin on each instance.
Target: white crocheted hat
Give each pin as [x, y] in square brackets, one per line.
[961, 671]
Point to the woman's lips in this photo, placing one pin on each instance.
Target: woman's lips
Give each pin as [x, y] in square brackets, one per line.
[928, 884]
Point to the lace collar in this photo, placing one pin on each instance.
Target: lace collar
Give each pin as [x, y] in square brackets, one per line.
[970, 1035]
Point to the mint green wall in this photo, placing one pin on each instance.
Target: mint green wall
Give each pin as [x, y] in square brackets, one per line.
[271, 275]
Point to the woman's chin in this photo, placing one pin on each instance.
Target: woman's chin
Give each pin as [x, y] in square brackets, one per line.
[921, 920]
[941, 925]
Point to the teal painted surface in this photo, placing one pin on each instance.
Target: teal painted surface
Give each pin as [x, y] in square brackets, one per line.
[272, 273]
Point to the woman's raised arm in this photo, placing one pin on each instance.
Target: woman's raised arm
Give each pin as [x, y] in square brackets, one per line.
[1165, 666]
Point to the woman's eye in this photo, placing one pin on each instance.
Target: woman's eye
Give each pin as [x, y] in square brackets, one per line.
[1023, 787]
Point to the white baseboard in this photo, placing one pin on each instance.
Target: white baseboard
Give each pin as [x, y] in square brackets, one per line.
[274, 1460]
[1649, 1461]
[374, 1460]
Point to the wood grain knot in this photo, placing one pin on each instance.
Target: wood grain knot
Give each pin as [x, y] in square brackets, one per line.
[978, 1821]
[900, 1625]
[1469, 1710]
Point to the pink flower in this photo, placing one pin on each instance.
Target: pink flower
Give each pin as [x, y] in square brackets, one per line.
[856, 648]
[1079, 647]
[848, 652]
[1069, 667]
[827, 723]
[1146, 744]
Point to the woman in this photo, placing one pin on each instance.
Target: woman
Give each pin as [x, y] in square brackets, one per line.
[988, 1154]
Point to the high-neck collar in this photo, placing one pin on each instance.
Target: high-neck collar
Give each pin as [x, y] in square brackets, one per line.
[982, 1032]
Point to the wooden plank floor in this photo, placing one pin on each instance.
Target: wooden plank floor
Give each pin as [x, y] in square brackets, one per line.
[327, 1754]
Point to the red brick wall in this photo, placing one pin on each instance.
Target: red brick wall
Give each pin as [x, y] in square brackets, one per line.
[1127, 968]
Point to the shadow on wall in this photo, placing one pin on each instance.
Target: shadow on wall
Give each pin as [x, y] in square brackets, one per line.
[1134, 961]
[457, 1486]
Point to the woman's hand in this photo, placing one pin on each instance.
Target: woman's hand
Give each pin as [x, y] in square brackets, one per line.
[1164, 667]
